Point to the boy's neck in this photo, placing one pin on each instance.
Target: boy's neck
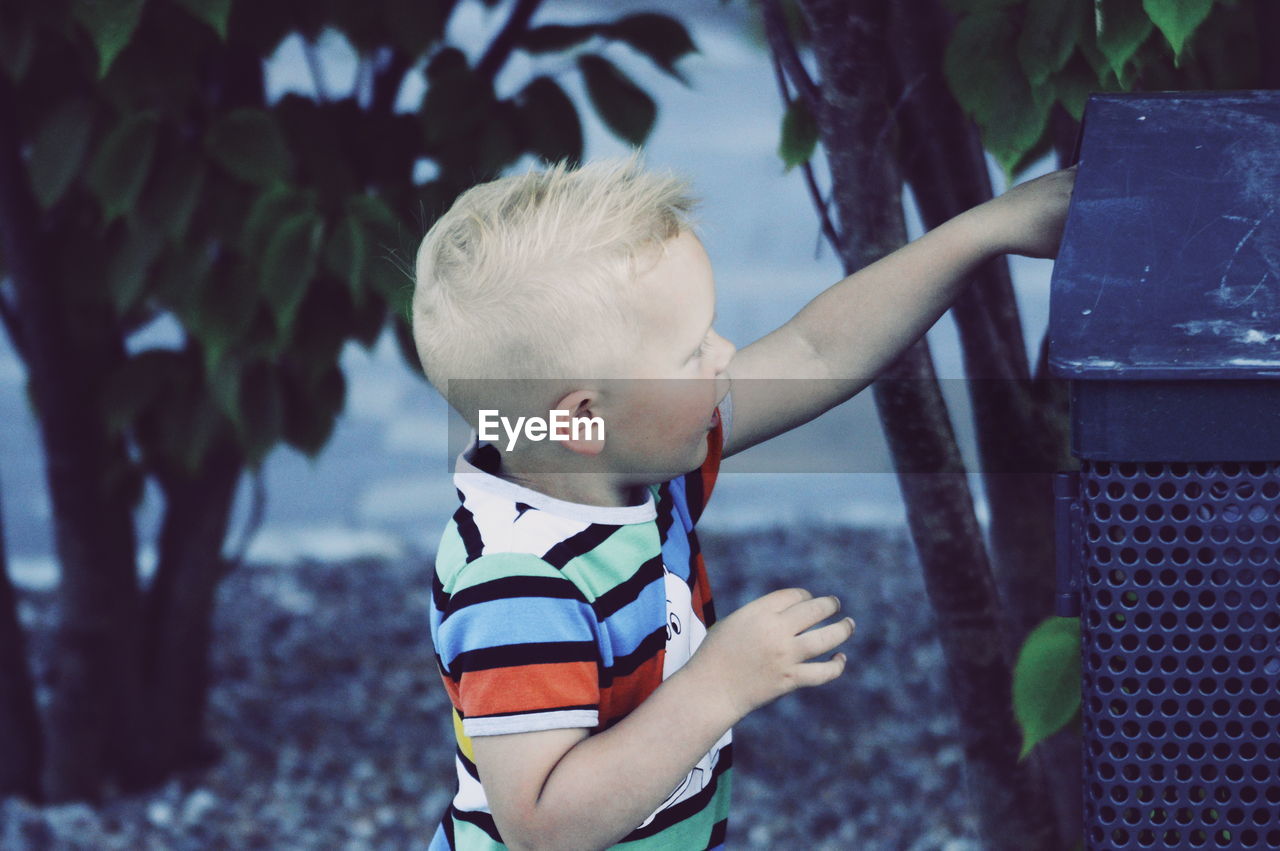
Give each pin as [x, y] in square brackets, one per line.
[599, 489]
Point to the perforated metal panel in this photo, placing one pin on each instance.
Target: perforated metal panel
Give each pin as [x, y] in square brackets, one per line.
[1181, 650]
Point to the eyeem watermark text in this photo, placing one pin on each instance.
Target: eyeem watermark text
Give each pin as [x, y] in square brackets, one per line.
[537, 428]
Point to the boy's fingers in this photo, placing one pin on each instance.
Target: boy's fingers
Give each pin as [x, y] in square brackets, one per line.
[817, 673]
[786, 598]
[824, 639]
[806, 613]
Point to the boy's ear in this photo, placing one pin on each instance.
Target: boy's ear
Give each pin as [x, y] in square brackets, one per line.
[582, 431]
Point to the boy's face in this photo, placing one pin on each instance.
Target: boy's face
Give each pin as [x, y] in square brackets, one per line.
[679, 373]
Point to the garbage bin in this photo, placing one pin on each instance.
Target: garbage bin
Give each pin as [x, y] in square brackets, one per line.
[1165, 321]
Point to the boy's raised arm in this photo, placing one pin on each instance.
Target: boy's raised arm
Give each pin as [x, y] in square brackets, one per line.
[564, 789]
[853, 330]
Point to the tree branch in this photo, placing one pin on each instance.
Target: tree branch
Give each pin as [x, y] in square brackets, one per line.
[784, 51]
[822, 206]
[9, 317]
[500, 48]
[387, 82]
[257, 510]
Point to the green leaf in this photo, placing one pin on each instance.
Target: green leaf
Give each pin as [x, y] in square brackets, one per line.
[552, 38]
[1177, 19]
[288, 265]
[311, 409]
[344, 255]
[799, 134]
[128, 266]
[660, 37]
[1121, 28]
[984, 73]
[121, 165]
[249, 144]
[623, 106]
[223, 309]
[1046, 680]
[269, 211]
[1049, 35]
[58, 149]
[17, 46]
[554, 131]
[213, 12]
[179, 276]
[1073, 85]
[386, 272]
[171, 195]
[261, 410]
[110, 23]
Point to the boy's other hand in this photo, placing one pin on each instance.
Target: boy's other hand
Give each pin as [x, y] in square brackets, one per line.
[762, 651]
[1028, 219]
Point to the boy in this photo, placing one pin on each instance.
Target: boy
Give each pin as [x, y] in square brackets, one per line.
[573, 624]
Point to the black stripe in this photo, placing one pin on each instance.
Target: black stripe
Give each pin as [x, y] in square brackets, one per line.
[580, 544]
[587, 706]
[624, 592]
[448, 827]
[688, 807]
[469, 531]
[719, 834]
[487, 458]
[509, 655]
[666, 512]
[695, 499]
[467, 764]
[623, 665]
[439, 598]
[510, 587]
[708, 613]
[484, 821]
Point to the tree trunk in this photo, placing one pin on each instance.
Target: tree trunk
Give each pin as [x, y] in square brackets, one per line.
[855, 119]
[1019, 441]
[19, 721]
[179, 606]
[96, 717]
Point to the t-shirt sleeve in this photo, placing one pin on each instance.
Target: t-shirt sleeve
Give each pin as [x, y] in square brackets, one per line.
[518, 644]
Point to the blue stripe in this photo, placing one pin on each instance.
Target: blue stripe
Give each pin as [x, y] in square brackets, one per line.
[523, 620]
[635, 621]
[675, 551]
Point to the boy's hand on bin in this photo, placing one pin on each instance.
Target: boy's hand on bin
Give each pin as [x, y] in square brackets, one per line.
[1029, 218]
[762, 651]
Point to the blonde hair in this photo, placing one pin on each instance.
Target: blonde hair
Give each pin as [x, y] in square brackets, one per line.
[531, 276]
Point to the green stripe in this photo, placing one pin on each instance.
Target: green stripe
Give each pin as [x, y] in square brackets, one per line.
[468, 837]
[493, 566]
[692, 833]
[615, 560]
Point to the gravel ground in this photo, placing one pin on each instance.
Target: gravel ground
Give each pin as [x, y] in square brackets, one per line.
[335, 733]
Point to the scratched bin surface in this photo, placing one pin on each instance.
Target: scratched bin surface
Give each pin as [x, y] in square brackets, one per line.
[1170, 263]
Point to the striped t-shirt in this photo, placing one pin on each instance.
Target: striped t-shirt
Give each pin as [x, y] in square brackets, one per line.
[549, 614]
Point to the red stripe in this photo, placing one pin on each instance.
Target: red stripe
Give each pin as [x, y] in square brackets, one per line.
[626, 693]
[529, 688]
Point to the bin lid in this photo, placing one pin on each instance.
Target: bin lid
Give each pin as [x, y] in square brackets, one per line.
[1170, 261]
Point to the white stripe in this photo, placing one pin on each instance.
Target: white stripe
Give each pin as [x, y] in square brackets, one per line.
[560, 720]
